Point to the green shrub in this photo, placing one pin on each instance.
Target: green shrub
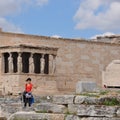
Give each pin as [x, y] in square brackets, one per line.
[103, 92]
[42, 111]
[89, 94]
[111, 102]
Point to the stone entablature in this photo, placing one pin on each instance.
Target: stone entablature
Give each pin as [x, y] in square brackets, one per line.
[28, 48]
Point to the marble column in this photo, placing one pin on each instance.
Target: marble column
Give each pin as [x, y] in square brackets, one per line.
[10, 63]
[19, 63]
[31, 64]
[42, 64]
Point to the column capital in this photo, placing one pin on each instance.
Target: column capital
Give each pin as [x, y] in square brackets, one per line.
[43, 55]
[20, 53]
[31, 54]
[10, 54]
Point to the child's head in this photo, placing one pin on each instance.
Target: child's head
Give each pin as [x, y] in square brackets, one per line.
[28, 80]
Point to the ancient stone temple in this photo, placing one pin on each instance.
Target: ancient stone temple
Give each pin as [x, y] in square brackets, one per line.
[54, 64]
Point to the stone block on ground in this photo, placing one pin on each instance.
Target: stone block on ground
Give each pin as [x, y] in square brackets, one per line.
[99, 118]
[36, 116]
[11, 108]
[72, 117]
[86, 86]
[118, 112]
[63, 99]
[43, 99]
[86, 100]
[80, 99]
[50, 108]
[93, 110]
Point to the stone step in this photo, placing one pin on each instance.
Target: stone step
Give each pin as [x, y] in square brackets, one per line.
[94, 110]
[36, 116]
[50, 116]
[50, 108]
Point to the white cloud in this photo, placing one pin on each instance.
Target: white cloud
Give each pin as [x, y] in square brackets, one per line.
[98, 14]
[11, 6]
[56, 36]
[41, 2]
[8, 7]
[7, 26]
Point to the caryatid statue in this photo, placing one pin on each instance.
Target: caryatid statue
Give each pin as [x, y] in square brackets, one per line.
[31, 61]
[19, 63]
[10, 61]
[42, 61]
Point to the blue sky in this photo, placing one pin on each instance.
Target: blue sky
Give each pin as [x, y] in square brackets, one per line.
[64, 18]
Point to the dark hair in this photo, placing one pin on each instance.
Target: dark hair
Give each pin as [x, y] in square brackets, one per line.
[28, 79]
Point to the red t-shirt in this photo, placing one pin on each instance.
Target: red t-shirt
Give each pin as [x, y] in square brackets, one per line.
[28, 87]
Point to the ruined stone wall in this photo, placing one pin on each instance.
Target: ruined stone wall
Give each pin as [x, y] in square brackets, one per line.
[76, 59]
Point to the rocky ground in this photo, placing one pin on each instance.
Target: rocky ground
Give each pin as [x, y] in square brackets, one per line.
[103, 105]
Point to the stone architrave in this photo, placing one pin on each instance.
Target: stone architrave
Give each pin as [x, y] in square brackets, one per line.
[19, 63]
[42, 62]
[31, 65]
[85, 86]
[10, 63]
